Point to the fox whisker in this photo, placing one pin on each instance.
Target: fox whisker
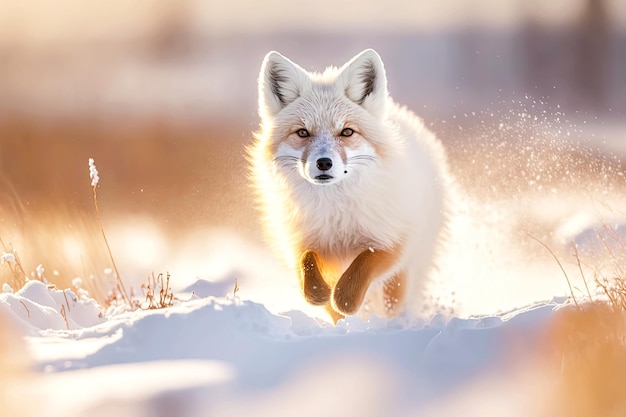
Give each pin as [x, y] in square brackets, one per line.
[287, 160]
[362, 157]
[363, 160]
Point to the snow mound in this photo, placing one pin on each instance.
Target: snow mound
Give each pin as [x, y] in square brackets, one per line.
[38, 306]
[235, 357]
[263, 348]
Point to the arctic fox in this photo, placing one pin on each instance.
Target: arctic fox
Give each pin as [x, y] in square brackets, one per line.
[353, 189]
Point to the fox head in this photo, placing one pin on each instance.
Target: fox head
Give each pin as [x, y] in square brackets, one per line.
[324, 126]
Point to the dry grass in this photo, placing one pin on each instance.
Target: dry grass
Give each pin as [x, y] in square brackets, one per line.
[159, 285]
[157, 168]
[120, 288]
[589, 341]
[586, 342]
[236, 288]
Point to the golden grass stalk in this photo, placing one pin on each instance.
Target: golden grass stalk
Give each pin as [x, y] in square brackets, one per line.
[93, 173]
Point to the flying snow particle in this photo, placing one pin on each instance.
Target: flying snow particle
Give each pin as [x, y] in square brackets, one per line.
[39, 270]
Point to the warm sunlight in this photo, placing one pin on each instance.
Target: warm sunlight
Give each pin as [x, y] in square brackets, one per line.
[264, 227]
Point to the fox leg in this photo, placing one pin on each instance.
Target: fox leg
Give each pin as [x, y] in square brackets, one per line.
[351, 288]
[393, 293]
[314, 288]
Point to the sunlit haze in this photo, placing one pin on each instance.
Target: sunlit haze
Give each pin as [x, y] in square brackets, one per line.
[163, 97]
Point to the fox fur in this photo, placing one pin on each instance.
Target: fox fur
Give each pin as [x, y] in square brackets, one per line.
[353, 189]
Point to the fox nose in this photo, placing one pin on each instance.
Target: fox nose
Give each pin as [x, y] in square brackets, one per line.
[324, 164]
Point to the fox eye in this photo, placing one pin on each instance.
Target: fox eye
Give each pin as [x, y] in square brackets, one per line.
[347, 132]
[303, 133]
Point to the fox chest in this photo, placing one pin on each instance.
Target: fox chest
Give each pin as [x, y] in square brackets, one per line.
[346, 227]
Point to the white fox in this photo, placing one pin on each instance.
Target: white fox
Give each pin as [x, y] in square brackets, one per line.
[353, 189]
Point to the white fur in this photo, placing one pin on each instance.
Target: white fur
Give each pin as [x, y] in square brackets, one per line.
[397, 194]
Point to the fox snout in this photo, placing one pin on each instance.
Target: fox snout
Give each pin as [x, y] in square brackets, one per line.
[324, 164]
[323, 169]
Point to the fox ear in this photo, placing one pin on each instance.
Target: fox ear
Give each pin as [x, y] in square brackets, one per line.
[364, 81]
[280, 82]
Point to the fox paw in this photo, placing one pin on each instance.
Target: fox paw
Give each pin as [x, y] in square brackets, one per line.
[347, 298]
[315, 289]
[349, 292]
[316, 292]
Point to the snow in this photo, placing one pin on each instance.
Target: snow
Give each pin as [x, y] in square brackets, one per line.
[40, 307]
[216, 355]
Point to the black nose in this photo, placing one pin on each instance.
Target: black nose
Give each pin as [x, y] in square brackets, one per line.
[324, 164]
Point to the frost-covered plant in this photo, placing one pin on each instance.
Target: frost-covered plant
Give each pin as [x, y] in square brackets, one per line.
[93, 173]
[11, 260]
[40, 270]
[7, 257]
[82, 293]
[95, 179]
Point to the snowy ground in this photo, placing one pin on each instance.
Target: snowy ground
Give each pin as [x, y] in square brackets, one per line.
[226, 356]
[264, 352]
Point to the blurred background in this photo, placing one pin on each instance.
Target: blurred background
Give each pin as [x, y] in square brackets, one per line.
[163, 96]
